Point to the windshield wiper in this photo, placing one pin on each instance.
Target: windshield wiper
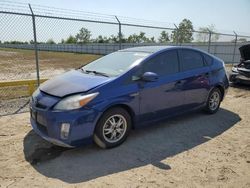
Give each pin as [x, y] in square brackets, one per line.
[96, 72]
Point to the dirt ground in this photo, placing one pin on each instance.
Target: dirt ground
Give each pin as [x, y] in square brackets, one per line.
[194, 150]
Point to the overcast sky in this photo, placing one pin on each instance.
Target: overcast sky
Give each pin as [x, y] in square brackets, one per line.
[226, 15]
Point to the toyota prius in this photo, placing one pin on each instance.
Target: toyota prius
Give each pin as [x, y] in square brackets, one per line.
[103, 100]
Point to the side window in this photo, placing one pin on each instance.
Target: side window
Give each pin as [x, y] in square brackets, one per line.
[190, 59]
[165, 63]
[208, 60]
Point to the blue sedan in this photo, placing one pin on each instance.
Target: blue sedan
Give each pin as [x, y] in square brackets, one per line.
[105, 99]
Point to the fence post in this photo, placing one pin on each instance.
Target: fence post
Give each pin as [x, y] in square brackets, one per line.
[120, 33]
[235, 42]
[209, 41]
[35, 45]
[177, 34]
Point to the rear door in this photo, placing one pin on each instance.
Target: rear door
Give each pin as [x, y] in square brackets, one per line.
[195, 73]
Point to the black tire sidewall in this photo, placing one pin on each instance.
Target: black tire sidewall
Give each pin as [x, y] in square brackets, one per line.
[98, 134]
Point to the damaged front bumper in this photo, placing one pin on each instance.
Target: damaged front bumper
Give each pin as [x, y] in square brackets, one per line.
[238, 76]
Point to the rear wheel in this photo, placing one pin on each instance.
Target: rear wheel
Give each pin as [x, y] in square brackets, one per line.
[113, 127]
[213, 101]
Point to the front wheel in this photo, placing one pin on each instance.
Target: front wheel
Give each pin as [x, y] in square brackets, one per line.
[213, 101]
[113, 127]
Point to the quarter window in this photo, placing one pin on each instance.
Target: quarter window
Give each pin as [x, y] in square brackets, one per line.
[208, 60]
[190, 59]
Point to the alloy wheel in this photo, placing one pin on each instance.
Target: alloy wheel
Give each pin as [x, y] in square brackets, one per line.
[114, 128]
[214, 100]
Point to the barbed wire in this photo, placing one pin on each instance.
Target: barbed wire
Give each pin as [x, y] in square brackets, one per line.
[42, 10]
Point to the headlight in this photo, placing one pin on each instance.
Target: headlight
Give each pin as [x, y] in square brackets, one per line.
[234, 69]
[75, 101]
[35, 94]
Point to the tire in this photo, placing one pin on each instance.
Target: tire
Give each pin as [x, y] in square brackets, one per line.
[112, 128]
[233, 79]
[213, 101]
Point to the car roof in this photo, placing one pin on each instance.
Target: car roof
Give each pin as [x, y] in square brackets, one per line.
[148, 49]
[154, 49]
[157, 49]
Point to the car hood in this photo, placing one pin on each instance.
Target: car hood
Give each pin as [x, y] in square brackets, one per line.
[72, 82]
[245, 52]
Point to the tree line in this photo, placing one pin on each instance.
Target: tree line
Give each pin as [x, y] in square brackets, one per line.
[183, 34]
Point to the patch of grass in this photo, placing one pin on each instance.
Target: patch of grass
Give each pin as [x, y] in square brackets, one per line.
[12, 60]
[13, 92]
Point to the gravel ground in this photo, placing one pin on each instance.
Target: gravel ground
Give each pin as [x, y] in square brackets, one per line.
[194, 150]
[13, 106]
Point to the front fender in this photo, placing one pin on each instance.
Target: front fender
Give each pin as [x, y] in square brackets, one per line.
[130, 101]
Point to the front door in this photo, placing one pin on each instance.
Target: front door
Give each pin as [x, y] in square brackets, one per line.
[165, 96]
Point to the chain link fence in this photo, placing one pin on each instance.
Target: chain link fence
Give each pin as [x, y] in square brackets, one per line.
[39, 42]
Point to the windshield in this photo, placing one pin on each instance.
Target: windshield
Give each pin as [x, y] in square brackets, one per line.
[115, 63]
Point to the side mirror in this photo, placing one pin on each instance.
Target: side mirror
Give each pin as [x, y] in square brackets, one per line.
[149, 77]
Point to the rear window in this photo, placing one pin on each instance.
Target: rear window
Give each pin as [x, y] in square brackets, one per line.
[190, 59]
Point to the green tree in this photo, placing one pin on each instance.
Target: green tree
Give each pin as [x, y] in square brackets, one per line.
[113, 39]
[203, 35]
[99, 39]
[141, 38]
[70, 40]
[123, 38]
[50, 41]
[105, 39]
[242, 40]
[184, 33]
[152, 40]
[132, 38]
[116, 39]
[163, 37]
[83, 36]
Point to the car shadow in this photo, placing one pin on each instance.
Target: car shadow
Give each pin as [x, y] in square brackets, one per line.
[240, 86]
[145, 146]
